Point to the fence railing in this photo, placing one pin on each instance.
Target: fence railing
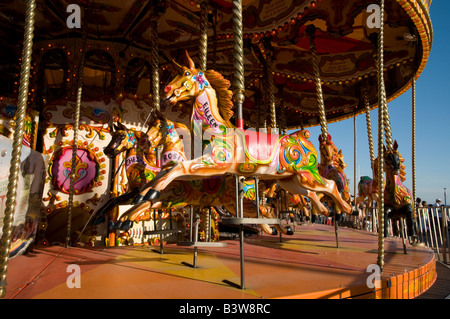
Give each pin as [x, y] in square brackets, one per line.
[432, 226]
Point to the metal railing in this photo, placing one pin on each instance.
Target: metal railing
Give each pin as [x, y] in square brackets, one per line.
[432, 225]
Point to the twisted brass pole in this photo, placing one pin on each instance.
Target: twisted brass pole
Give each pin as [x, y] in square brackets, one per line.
[369, 129]
[271, 90]
[155, 63]
[238, 54]
[239, 97]
[319, 94]
[381, 122]
[354, 158]
[413, 144]
[203, 52]
[8, 219]
[75, 136]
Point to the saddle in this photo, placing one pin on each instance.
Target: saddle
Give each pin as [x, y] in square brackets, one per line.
[259, 146]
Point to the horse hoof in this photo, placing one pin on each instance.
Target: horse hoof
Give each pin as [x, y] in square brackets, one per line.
[151, 194]
[274, 231]
[139, 199]
[289, 231]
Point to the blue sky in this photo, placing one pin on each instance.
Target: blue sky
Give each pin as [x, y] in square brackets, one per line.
[432, 121]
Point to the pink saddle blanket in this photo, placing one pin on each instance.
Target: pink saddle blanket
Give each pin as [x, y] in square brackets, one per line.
[259, 145]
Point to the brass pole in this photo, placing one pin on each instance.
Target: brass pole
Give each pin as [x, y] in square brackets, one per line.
[413, 86]
[155, 63]
[381, 122]
[203, 52]
[238, 55]
[369, 129]
[75, 136]
[8, 219]
[354, 159]
[239, 97]
[271, 90]
[323, 120]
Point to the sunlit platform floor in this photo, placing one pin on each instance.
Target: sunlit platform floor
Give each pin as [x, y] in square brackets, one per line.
[306, 265]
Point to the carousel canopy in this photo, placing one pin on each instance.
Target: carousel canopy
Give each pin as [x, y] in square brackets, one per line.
[277, 31]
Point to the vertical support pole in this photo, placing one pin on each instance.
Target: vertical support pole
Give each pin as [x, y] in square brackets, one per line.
[271, 91]
[10, 204]
[354, 158]
[381, 103]
[257, 196]
[155, 63]
[191, 210]
[208, 225]
[161, 236]
[444, 226]
[355, 172]
[239, 81]
[311, 29]
[413, 151]
[73, 167]
[197, 217]
[203, 51]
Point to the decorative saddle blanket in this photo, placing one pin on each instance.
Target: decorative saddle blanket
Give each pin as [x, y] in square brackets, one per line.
[260, 147]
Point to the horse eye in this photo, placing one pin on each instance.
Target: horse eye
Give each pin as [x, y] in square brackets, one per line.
[187, 73]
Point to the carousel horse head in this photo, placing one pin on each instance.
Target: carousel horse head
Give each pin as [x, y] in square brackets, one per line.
[186, 84]
[392, 159]
[122, 140]
[339, 160]
[158, 131]
[191, 82]
[327, 149]
[168, 135]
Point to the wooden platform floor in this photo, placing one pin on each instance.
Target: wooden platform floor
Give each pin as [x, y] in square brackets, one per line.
[306, 265]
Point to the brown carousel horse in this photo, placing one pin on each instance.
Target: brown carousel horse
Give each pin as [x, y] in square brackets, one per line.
[290, 159]
[140, 165]
[210, 192]
[332, 167]
[397, 197]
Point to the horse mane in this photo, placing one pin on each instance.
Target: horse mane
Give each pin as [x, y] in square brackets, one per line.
[402, 173]
[224, 96]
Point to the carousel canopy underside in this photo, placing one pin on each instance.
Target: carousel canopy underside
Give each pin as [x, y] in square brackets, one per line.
[345, 42]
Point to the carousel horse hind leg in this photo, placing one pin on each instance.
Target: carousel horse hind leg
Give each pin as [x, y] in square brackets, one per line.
[98, 217]
[294, 186]
[146, 192]
[193, 169]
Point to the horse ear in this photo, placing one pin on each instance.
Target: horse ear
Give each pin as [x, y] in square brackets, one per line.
[191, 64]
[178, 68]
[320, 138]
[395, 145]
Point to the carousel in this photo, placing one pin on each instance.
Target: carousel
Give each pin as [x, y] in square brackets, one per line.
[163, 147]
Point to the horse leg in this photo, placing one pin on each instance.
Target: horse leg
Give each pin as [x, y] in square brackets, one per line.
[133, 213]
[199, 168]
[389, 215]
[113, 202]
[292, 184]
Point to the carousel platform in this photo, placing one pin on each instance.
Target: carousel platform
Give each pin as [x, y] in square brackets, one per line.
[306, 265]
